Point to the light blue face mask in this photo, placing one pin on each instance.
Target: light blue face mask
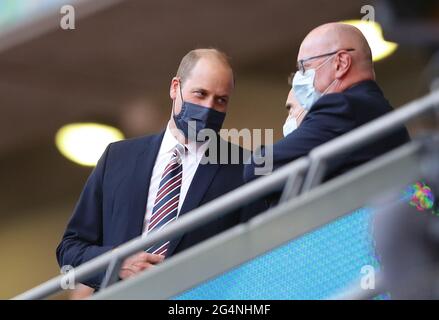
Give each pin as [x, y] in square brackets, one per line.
[289, 126]
[303, 87]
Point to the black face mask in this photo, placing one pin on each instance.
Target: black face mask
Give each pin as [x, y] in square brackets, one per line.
[195, 117]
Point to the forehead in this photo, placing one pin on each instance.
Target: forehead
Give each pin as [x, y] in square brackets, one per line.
[313, 45]
[211, 74]
[306, 52]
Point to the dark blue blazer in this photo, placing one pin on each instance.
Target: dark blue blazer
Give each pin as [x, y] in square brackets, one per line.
[331, 116]
[111, 207]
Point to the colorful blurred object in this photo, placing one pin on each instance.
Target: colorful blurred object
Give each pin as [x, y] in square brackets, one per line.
[420, 196]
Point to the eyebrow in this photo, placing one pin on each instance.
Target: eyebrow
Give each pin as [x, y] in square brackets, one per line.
[207, 91]
[223, 97]
[199, 89]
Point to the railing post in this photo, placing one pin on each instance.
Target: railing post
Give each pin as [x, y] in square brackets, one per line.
[315, 173]
[292, 186]
[112, 273]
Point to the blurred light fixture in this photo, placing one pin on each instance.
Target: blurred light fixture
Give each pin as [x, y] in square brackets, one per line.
[374, 36]
[84, 143]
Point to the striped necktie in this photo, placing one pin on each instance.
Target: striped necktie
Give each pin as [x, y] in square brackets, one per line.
[165, 208]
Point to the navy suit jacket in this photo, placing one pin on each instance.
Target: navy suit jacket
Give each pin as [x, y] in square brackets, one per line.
[331, 116]
[111, 207]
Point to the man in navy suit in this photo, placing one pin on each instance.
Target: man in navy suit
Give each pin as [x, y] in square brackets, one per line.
[142, 184]
[333, 92]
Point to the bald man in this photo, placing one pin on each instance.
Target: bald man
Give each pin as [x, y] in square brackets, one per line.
[333, 92]
[142, 185]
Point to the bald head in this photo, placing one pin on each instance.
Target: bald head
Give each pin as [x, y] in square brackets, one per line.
[191, 59]
[348, 67]
[335, 36]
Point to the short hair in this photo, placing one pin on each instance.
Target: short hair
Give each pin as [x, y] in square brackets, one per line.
[192, 57]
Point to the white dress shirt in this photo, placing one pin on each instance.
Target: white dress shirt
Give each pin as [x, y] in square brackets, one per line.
[190, 161]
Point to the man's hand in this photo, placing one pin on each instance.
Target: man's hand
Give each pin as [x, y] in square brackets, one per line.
[294, 108]
[81, 292]
[139, 262]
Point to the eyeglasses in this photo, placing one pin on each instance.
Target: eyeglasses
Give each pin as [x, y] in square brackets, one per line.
[301, 67]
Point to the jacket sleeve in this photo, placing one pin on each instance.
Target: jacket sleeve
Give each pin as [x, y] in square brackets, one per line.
[330, 116]
[82, 240]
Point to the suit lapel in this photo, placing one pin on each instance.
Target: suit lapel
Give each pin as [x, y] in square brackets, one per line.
[141, 178]
[200, 184]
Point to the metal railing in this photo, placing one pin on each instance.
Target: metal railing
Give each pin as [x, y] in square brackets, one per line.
[313, 165]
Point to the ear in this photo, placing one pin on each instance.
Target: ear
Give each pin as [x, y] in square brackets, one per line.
[343, 64]
[174, 88]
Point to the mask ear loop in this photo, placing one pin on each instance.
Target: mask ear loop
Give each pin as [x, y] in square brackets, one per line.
[182, 104]
[325, 62]
[303, 112]
[326, 90]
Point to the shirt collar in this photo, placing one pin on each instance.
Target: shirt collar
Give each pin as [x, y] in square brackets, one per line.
[169, 142]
